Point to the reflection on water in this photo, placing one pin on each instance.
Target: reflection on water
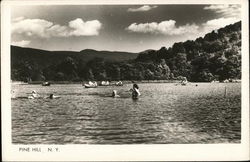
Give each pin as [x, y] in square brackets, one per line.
[165, 113]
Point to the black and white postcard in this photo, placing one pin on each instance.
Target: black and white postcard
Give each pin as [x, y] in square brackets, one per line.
[125, 80]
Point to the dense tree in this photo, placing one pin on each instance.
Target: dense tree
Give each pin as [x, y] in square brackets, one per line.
[68, 67]
[178, 48]
[113, 71]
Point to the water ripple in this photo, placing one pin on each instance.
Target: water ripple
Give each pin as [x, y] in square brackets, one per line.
[164, 114]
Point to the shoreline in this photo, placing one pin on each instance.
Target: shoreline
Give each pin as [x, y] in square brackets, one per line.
[124, 82]
[84, 81]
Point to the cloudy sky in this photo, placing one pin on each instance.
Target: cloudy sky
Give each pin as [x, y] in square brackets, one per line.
[132, 28]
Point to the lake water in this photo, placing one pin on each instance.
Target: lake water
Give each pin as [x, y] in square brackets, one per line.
[165, 113]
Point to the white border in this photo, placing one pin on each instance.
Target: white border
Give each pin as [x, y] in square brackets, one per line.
[173, 152]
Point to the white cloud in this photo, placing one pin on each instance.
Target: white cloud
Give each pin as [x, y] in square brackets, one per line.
[31, 27]
[165, 27]
[169, 27]
[225, 10]
[22, 43]
[142, 8]
[57, 31]
[218, 23]
[45, 29]
[227, 14]
[87, 28]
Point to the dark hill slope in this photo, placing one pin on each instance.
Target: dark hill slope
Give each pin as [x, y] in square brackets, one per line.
[45, 58]
[216, 56]
[33, 64]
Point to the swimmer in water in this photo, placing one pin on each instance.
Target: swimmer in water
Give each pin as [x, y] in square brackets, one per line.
[114, 94]
[34, 95]
[52, 96]
[135, 91]
[13, 95]
[184, 81]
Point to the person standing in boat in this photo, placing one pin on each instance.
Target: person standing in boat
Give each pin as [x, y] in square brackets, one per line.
[135, 91]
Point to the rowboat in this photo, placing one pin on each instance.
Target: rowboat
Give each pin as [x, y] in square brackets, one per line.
[90, 85]
[46, 84]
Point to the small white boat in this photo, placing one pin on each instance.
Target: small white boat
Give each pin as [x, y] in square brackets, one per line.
[104, 83]
[46, 84]
[214, 81]
[119, 83]
[90, 85]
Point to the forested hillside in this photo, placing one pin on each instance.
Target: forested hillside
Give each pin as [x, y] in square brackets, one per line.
[216, 56]
[29, 64]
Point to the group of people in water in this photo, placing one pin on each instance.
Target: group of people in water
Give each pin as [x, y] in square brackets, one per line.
[35, 95]
[135, 94]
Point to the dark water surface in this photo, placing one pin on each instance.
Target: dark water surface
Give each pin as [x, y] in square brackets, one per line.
[165, 113]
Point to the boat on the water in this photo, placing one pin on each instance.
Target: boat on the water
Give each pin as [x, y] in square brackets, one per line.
[104, 83]
[107, 83]
[91, 85]
[119, 83]
[46, 84]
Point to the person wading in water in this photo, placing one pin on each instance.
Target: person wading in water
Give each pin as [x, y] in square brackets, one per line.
[135, 91]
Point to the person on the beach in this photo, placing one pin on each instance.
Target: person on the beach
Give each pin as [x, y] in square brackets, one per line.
[135, 91]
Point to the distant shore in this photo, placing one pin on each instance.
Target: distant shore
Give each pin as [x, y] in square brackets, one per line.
[111, 82]
[81, 82]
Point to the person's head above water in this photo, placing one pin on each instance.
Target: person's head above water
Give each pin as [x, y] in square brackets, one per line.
[34, 92]
[51, 96]
[135, 86]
